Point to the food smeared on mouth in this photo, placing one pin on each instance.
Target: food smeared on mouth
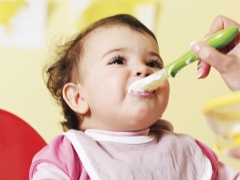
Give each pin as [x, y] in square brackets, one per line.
[148, 84]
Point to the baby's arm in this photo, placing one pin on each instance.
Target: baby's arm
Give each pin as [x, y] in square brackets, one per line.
[225, 172]
[56, 161]
[49, 171]
[221, 171]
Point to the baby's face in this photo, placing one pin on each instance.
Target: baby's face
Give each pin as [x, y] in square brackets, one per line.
[114, 58]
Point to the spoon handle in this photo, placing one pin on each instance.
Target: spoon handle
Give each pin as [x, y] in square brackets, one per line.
[217, 41]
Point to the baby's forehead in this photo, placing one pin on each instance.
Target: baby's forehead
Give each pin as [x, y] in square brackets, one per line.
[107, 28]
[102, 33]
[118, 36]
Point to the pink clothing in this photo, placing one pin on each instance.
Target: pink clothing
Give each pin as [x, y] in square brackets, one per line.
[211, 156]
[61, 154]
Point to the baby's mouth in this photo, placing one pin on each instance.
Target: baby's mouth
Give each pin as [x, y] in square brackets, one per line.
[143, 93]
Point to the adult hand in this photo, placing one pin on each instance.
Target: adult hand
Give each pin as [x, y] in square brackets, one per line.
[233, 153]
[226, 61]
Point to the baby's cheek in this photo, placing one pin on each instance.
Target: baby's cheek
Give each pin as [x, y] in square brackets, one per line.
[163, 95]
[163, 90]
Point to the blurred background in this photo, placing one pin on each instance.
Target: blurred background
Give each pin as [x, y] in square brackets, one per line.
[29, 28]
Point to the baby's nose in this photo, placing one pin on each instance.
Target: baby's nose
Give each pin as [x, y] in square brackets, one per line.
[142, 71]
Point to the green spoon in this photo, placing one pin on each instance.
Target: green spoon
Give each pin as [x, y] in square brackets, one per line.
[152, 82]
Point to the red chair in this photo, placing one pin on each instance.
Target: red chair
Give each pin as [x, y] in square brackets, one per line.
[19, 142]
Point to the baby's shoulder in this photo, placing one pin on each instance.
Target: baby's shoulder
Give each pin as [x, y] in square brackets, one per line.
[60, 148]
[60, 153]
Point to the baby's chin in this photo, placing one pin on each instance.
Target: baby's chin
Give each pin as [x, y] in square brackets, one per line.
[138, 125]
[144, 115]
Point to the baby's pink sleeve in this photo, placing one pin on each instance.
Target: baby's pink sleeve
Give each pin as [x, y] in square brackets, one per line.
[221, 171]
[49, 171]
[225, 172]
[60, 154]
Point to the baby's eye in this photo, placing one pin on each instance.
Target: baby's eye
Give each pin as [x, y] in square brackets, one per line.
[155, 64]
[118, 60]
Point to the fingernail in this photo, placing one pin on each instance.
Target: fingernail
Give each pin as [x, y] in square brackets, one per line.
[226, 153]
[195, 47]
[199, 74]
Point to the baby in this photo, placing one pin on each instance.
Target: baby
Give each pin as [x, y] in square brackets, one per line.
[112, 133]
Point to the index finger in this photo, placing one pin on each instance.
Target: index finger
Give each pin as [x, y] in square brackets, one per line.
[220, 23]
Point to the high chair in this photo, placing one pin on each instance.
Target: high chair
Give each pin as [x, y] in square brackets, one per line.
[19, 142]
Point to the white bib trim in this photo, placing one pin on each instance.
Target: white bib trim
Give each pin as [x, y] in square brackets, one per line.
[120, 139]
[208, 170]
[82, 155]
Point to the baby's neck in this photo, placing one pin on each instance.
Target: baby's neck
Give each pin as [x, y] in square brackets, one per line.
[136, 137]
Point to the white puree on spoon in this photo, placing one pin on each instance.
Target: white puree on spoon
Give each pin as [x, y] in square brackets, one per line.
[150, 83]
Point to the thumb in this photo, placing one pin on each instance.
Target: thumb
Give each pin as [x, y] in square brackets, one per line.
[209, 55]
[233, 153]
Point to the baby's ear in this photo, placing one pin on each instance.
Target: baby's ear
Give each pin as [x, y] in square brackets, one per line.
[73, 97]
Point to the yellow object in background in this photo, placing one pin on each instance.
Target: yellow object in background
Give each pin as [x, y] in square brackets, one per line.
[22, 24]
[138, 8]
[223, 115]
[8, 9]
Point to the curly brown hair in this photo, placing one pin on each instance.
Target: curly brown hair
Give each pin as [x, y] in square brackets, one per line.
[65, 69]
